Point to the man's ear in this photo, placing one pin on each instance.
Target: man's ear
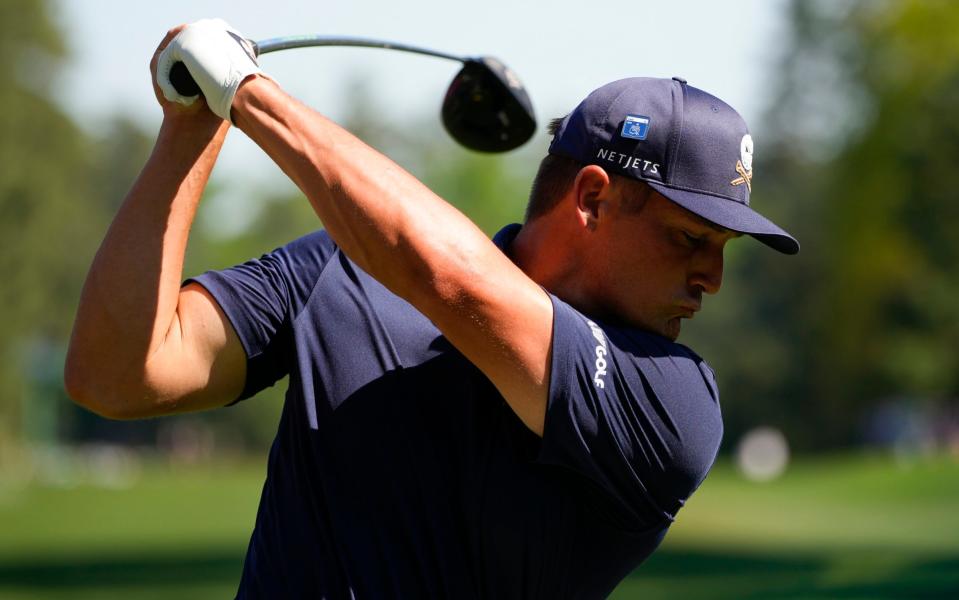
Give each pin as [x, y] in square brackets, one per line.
[592, 190]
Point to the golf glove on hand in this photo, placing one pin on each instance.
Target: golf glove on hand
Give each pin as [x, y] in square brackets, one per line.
[217, 56]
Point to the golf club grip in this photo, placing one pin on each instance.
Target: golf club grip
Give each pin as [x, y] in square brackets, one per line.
[182, 81]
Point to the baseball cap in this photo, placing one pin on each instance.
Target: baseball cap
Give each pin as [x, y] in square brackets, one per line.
[688, 145]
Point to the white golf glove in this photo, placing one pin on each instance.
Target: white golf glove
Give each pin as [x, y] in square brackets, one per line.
[217, 56]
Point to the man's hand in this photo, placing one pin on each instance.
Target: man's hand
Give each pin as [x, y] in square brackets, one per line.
[194, 117]
[217, 56]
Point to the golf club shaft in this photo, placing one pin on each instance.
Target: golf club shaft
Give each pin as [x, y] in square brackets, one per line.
[184, 84]
[308, 41]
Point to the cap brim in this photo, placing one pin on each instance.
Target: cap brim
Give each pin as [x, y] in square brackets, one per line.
[731, 215]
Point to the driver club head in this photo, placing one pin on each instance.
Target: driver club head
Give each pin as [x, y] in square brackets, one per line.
[486, 107]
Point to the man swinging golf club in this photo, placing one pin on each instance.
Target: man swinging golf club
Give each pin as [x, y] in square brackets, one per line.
[466, 418]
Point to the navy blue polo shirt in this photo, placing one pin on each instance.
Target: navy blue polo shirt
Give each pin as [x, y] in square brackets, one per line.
[398, 470]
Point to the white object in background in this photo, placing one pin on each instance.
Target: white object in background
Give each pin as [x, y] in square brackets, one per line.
[762, 454]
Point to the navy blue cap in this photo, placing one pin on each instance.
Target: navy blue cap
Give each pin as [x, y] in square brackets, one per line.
[688, 145]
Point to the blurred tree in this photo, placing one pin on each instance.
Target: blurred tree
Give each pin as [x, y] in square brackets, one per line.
[48, 228]
[856, 156]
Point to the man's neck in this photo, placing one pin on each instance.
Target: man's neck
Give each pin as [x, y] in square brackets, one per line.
[548, 257]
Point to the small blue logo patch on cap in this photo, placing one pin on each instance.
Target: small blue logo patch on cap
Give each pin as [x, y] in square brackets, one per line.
[636, 127]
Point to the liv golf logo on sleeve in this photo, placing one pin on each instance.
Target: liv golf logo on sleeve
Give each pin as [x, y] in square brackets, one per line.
[635, 127]
[601, 351]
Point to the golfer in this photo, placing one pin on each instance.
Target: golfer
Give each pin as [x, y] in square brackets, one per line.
[465, 418]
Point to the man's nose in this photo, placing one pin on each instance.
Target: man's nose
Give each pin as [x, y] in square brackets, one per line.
[707, 270]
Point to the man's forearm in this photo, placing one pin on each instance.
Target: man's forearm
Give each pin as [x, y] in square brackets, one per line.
[129, 300]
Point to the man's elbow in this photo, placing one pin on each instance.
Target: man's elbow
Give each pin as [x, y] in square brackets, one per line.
[104, 395]
[77, 383]
[103, 404]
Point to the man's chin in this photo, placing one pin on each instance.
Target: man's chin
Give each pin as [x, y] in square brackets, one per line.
[672, 328]
[669, 329]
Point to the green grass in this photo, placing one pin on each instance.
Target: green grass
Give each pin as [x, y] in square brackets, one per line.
[177, 533]
[848, 527]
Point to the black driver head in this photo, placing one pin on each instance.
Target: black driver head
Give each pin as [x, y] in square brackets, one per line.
[487, 108]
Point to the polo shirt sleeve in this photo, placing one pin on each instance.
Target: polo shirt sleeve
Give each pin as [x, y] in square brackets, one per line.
[261, 297]
[635, 413]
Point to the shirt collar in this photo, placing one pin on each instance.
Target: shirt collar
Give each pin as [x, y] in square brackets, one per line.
[504, 238]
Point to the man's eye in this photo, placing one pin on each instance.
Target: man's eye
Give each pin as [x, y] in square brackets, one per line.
[691, 239]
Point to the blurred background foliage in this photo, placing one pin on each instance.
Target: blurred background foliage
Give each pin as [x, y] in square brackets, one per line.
[856, 155]
[851, 343]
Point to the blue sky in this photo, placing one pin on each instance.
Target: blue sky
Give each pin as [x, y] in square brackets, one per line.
[561, 50]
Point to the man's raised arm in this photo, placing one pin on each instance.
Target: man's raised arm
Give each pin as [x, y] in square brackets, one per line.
[141, 346]
[384, 219]
[413, 242]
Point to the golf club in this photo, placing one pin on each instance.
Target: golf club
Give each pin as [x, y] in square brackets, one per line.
[486, 107]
